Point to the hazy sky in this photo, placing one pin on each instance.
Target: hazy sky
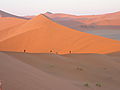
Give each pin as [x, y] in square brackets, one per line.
[33, 7]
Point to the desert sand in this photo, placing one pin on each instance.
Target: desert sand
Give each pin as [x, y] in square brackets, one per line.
[10, 22]
[59, 72]
[16, 75]
[42, 35]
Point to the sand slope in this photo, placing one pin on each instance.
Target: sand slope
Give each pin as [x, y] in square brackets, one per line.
[5, 14]
[88, 22]
[77, 68]
[19, 76]
[103, 19]
[8, 25]
[41, 35]
[10, 22]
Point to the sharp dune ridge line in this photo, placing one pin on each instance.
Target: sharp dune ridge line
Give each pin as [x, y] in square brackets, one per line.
[5, 14]
[41, 35]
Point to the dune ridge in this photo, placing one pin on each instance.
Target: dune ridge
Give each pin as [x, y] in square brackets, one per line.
[5, 14]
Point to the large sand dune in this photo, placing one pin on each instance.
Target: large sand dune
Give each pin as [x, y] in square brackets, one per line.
[41, 35]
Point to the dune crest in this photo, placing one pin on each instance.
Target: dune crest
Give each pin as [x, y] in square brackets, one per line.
[5, 14]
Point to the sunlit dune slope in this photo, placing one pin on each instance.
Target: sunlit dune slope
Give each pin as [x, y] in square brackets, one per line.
[10, 22]
[8, 26]
[42, 35]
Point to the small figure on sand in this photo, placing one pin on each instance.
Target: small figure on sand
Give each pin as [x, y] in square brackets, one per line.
[70, 52]
[24, 51]
[51, 51]
[56, 52]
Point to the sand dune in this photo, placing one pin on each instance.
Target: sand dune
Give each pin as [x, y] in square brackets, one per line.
[8, 26]
[114, 22]
[110, 18]
[89, 22]
[103, 19]
[10, 22]
[76, 68]
[5, 14]
[20, 76]
[41, 35]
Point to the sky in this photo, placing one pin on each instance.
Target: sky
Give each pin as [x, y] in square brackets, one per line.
[76, 7]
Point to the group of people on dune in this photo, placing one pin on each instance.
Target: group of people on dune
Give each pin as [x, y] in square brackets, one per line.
[51, 51]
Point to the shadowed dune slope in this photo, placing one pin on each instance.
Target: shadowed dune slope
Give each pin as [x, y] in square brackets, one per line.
[80, 68]
[5, 14]
[103, 19]
[17, 75]
[40, 35]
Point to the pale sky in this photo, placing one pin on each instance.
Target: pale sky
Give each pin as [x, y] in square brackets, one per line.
[77, 7]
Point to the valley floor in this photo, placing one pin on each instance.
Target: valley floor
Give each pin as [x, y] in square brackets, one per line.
[33, 71]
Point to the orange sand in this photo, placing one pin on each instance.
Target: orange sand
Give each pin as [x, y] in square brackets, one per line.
[40, 35]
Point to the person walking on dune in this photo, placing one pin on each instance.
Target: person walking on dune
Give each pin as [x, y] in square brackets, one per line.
[24, 51]
[70, 52]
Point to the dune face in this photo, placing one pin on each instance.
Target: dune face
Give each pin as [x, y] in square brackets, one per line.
[17, 75]
[42, 35]
[10, 22]
[5, 14]
[111, 18]
[37, 71]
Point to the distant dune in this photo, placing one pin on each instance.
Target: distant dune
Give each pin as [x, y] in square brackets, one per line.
[5, 14]
[104, 21]
[42, 35]
[86, 22]
[112, 18]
